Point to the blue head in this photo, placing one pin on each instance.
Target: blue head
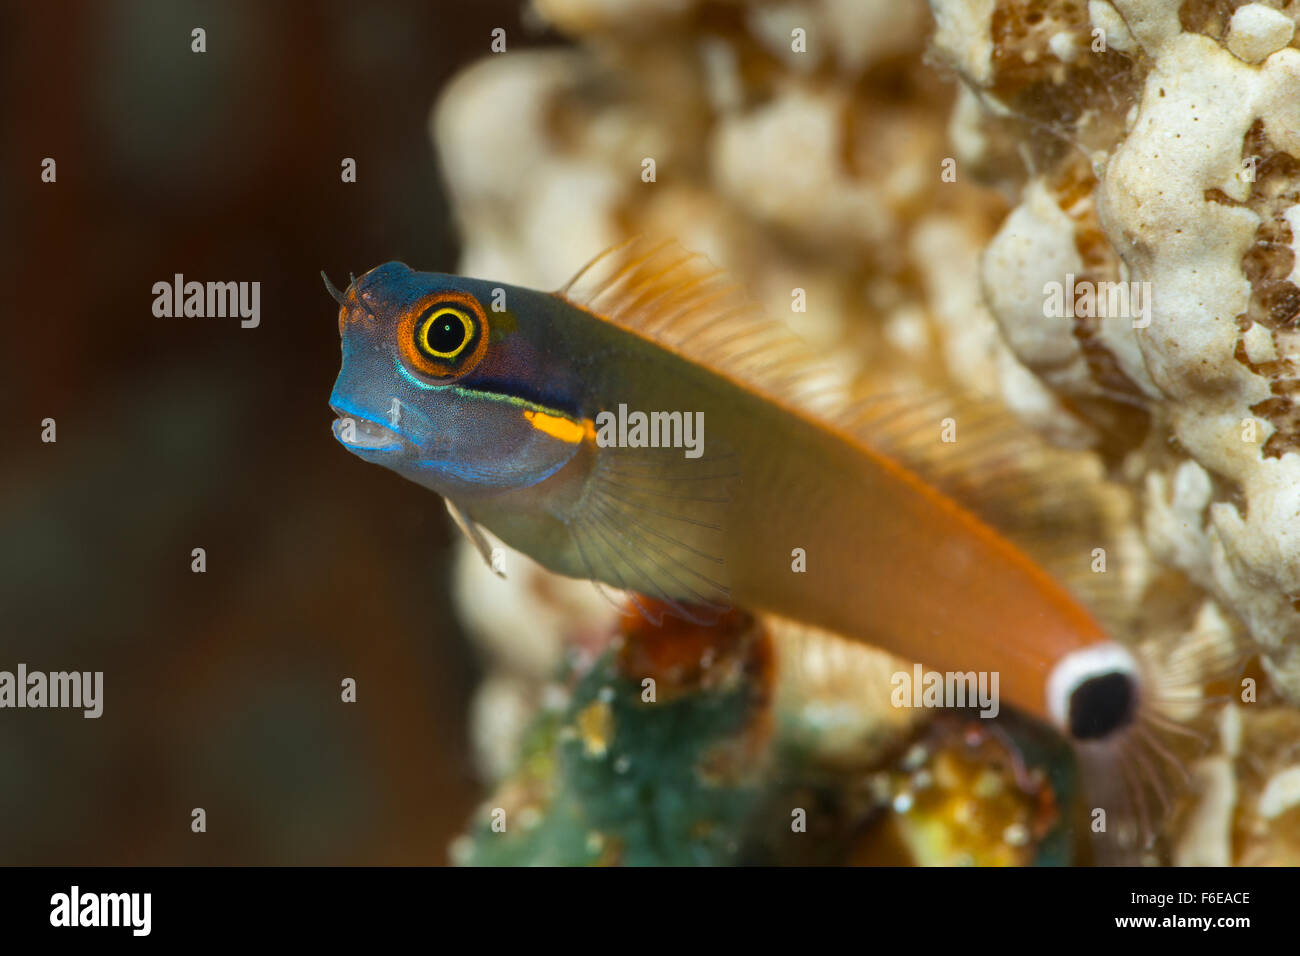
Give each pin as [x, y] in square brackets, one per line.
[446, 385]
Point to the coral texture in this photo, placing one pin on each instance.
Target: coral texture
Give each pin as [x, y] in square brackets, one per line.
[1160, 140]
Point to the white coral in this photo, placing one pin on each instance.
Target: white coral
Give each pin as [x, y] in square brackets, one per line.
[1172, 200]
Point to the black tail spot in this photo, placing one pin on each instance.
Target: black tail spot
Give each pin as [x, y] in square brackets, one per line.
[1101, 705]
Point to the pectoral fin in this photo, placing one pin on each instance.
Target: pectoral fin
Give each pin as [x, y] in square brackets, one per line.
[475, 535]
[653, 523]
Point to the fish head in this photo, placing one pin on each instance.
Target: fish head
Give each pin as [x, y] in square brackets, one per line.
[440, 383]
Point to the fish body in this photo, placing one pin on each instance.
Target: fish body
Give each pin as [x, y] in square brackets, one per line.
[846, 521]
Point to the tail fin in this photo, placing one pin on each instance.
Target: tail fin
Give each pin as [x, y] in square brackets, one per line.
[1136, 780]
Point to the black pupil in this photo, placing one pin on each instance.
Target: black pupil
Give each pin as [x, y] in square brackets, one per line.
[447, 334]
[1102, 705]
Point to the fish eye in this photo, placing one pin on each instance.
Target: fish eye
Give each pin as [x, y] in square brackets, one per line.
[443, 337]
[444, 333]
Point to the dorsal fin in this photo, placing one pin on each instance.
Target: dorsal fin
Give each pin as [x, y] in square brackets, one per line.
[681, 301]
[1054, 504]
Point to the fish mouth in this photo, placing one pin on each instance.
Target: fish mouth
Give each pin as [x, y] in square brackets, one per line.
[363, 434]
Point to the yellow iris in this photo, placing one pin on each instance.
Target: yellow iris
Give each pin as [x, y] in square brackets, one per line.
[431, 324]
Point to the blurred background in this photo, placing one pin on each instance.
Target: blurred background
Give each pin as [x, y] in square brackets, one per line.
[803, 145]
[222, 689]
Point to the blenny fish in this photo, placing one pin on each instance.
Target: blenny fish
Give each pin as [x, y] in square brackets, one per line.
[922, 526]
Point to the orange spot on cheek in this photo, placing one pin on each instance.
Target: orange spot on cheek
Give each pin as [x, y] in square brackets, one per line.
[559, 427]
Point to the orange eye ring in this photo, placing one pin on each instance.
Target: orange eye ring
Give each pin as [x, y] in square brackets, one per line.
[443, 336]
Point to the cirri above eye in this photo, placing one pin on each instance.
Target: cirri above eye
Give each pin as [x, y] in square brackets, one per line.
[443, 337]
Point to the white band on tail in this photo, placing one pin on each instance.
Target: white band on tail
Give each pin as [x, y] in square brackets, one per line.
[1074, 668]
